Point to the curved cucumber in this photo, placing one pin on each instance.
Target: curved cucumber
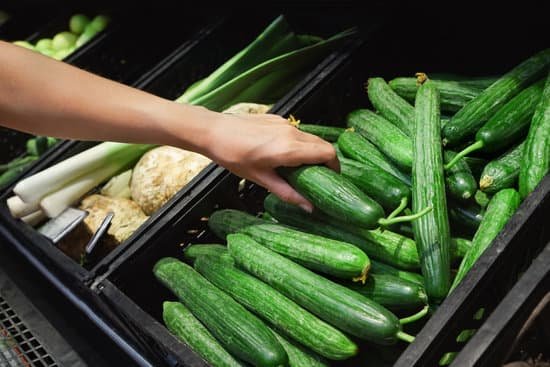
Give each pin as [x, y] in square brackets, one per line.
[240, 332]
[459, 179]
[356, 147]
[384, 269]
[535, 162]
[337, 305]
[502, 172]
[181, 322]
[384, 135]
[473, 115]
[500, 209]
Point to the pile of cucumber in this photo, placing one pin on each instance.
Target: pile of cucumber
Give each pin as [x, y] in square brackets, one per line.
[36, 147]
[81, 30]
[302, 289]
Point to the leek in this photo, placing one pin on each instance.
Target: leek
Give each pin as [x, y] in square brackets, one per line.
[18, 208]
[32, 189]
[34, 218]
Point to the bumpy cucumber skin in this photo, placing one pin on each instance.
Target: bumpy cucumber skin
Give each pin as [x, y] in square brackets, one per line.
[503, 172]
[328, 133]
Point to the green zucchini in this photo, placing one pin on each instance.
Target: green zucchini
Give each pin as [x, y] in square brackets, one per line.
[474, 114]
[535, 162]
[356, 147]
[328, 133]
[181, 322]
[384, 246]
[454, 94]
[193, 251]
[241, 333]
[508, 124]
[500, 209]
[431, 231]
[384, 135]
[276, 308]
[384, 269]
[337, 305]
[390, 105]
[392, 292]
[459, 179]
[502, 172]
[328, 256]
[298, 356]
[380, 185]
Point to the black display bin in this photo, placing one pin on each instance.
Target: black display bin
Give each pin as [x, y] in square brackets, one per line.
[327, 99]
[495, 342]
[193, 60]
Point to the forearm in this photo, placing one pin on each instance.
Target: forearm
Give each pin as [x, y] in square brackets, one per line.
[46, 97]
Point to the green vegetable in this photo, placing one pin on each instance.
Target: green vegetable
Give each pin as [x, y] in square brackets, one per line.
[535, 162]
[328, 133]
[384, 135]
[89, 33]
[356, 147]
[392, 292]
[431, 231]
[192, 252]
[474, 114]
[390, 105]
[181, 322]
[476, 164]
[465, 215]
[459, 179]
[241, 333]
[78, 23]
[502, 172]
[454, 94]
[460, 247]
[500, 209]
[280, 311]
[11, 174]
[298, 356]
[43, 44]
[337, 305]
[63, 40]
[510, 123]
[24, 44]
[99, 22]
[384, 245]
[17, 162]
[328, 256]
[384, 269]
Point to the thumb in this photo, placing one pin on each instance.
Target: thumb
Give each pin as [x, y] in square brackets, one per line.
[278, 186]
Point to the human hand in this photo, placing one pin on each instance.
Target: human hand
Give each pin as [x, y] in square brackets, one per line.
[253, 146]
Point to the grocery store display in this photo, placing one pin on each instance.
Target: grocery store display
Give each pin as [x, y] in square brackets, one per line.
[142, 178]
[81, 29]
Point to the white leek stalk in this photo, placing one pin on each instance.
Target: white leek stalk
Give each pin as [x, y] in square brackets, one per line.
[34, 218]
[19, 209]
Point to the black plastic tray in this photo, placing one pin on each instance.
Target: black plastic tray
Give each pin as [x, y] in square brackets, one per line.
[190, 62]
[494, 342]
[327, 99]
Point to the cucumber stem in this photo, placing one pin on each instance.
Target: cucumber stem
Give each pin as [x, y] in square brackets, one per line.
[404, 336]
[417, 316]
[469, 149]
[384, 222]
[399, 209]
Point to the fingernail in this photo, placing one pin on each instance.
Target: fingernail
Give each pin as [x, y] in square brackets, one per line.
[306, 207]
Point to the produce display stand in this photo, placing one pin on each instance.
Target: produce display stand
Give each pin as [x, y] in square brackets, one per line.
[337, 90]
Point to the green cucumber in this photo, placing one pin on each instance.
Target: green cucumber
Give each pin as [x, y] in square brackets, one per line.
[328, 256]
[390, 105]
[474, 114]
[356, 147]
[460, 247]
[17, 162]
[298, 356]
[535, 162]
[193, 251]
[385, 246]
[328, 133]
[384, 135]
[11, 174]
[241, 333]
[500, 209]
[502, 172]
[480, 82]
[431, 232]
[459, 179]
[508, 124]
[384, 269]
[181, 322]
[476, 164]
[337, 305]
[465, 215]
[454, 94]
[380, 185]
[276, 308]
[392, 292]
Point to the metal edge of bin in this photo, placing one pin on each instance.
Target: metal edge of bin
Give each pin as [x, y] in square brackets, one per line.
[439, 333]
[492, 342]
